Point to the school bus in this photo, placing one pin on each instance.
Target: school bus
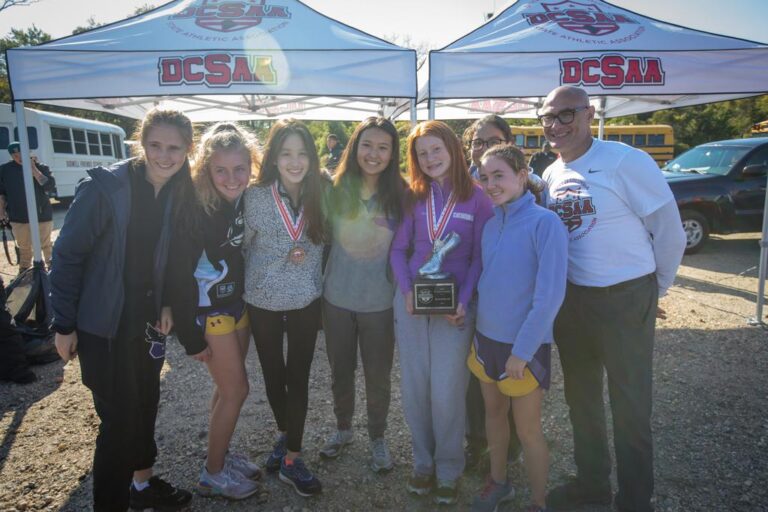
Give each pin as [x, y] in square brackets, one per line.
[760, 129]
[657, 140]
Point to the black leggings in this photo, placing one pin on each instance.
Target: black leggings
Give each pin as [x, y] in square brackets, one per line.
[287, 378]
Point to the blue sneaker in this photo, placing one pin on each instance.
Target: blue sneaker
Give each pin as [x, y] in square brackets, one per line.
[295, 473]
[275, 458]
[493, 495]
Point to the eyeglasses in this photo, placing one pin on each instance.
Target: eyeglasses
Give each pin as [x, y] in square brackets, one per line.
[564, 116]
[480, 143]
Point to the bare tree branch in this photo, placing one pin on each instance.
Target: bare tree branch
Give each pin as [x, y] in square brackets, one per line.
[4, 4]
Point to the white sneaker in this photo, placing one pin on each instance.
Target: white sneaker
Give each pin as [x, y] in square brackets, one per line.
[226, 483]
[242, 465]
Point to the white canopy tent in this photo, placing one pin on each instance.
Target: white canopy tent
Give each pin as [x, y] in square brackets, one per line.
[215, 60]
[628, 64]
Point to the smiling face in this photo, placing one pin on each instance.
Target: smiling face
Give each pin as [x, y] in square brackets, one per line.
[573, 139]
[500, 181]
[491, 136]
[292, 162]
[374, 151]
[164, 152]
[230, 172]
[433, 157]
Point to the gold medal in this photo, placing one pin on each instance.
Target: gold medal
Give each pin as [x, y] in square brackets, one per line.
[296, 255]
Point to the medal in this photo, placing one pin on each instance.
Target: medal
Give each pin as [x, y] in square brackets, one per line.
[436, 227]
[297, 254]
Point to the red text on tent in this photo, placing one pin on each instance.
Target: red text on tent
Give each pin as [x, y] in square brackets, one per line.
[217, 70]
[229, 16]
[581, 18]
[612, 71]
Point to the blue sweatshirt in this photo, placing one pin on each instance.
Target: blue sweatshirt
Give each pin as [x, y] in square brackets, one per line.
[525, 263]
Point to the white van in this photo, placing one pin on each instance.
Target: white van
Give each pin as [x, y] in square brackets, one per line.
[68, 145]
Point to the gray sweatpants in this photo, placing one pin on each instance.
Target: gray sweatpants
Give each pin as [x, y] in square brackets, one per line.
[434, 376]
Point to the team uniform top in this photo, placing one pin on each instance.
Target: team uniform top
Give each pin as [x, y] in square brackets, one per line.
[525, 259]
[602, 198]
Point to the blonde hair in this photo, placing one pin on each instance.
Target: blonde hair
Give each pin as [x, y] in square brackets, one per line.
[169, 117]
[220, 137]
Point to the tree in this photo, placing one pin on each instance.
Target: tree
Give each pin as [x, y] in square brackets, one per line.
[5, 4]
[90, 24]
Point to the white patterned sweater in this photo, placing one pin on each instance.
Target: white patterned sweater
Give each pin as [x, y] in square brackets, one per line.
[272, 281]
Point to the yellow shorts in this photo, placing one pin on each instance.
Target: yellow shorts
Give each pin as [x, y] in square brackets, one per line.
[225, 322]
[507, 386]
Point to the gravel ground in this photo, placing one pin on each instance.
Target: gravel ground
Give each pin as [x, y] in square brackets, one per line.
[710, 417]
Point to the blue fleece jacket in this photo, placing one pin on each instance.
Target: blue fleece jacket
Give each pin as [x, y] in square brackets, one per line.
[522, 285]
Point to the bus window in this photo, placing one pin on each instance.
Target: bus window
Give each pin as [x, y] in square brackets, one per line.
[4, 137]
[106, 144]
[640, 140]
[519, 139]
[117, 147]
[81, 148]
[31, 136]
[531, 141]
[655, 139]
[613, 137]
[627, 138]
[62, 140]
[94, 147]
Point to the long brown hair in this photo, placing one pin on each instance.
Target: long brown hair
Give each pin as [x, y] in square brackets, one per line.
[458, 171]
[345, 196]
[313, 182]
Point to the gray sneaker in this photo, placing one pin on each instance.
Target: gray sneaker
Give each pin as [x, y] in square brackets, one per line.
[227, 483]
[242, 465]
[492, 495]
[381, 460]
[336, 444]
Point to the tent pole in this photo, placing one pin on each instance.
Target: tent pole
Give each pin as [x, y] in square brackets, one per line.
[758, 320]
[431, 109]
[29, 187]
[414, 119]
[601, 119]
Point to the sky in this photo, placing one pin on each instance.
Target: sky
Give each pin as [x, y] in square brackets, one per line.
[434, 23]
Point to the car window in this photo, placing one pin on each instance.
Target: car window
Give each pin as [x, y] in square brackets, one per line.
[708, 159]
[758, 157]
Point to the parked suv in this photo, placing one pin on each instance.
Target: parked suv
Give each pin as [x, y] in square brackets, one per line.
[719, 188]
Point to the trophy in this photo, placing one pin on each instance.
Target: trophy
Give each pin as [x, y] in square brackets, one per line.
[434, 291]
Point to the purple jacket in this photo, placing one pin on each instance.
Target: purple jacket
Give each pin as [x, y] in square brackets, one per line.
[463, 262]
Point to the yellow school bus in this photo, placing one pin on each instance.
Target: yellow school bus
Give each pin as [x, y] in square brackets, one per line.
[658, 140]
[760, 129]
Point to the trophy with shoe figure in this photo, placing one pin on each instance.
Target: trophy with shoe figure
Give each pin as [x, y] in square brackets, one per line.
[434, 291]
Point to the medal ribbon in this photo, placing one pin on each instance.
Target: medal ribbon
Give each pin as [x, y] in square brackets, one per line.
[294, 228]
[436, 228]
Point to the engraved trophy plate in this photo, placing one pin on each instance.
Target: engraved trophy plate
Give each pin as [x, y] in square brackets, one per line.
[434, 291]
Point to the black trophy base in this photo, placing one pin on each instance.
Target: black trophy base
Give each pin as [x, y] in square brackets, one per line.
[434, 296]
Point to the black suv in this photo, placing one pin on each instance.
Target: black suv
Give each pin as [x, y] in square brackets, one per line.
[719, 188]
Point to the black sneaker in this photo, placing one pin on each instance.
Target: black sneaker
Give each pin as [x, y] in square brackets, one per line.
[159, 496]
[300, 477]
[275, 458]
[575, 493]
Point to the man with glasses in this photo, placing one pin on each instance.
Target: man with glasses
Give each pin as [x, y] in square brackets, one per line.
[13, 204]
[626, 242]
